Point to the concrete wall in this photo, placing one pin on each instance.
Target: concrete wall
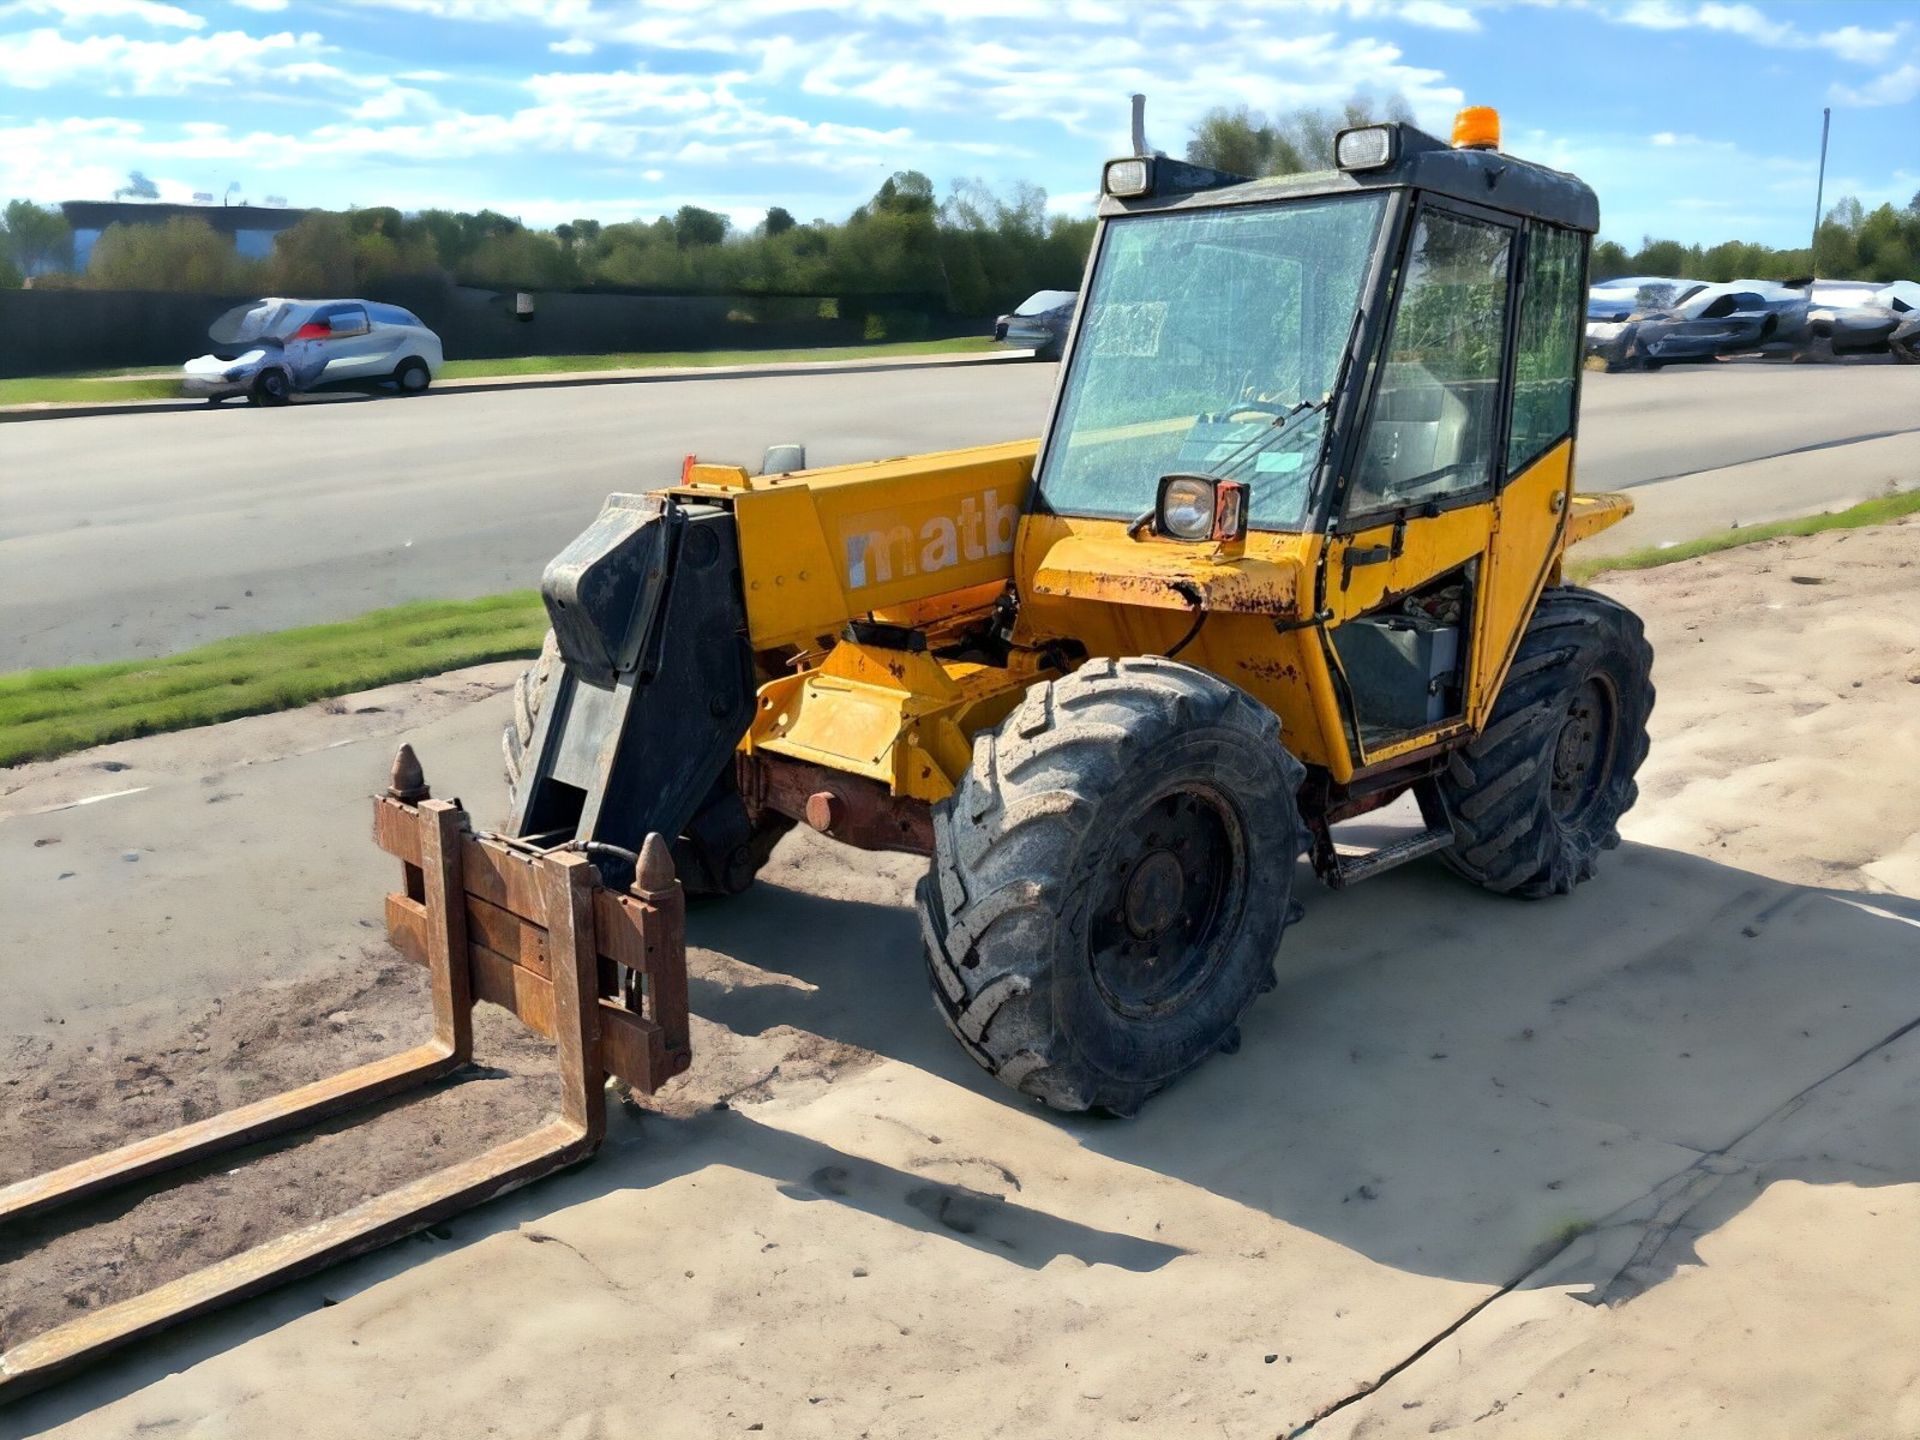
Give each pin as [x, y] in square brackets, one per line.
[44, 332]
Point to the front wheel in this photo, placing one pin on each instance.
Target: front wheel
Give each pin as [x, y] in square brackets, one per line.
[1110, 881]
[270, 387]
[1539, 793]
[413, 377]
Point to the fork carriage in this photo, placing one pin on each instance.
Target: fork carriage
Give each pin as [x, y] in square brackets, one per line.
[599, 972]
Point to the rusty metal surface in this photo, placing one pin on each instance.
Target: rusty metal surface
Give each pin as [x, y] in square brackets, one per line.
[849, 808]
[603, 975]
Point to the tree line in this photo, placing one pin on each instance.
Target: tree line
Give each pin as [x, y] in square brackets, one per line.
[1851, 243]
[971, 253]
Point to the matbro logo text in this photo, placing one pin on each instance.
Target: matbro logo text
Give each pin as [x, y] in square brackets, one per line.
[888, 545]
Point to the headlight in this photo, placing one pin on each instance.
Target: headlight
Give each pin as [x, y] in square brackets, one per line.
[1186, 507]
[1127, 178]
[1199, 507]
[1366, 148]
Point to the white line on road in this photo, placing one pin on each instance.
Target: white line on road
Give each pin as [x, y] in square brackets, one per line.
[88, 800]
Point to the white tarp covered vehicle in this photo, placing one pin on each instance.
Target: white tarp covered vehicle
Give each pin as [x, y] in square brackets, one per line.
[272, 349]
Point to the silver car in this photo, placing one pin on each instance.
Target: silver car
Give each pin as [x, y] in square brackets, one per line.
[1040, 323]
[272, 349]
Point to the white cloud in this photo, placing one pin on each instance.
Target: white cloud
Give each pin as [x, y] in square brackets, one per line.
[555, 13]
[1438, 16]
[1849, 42]
[1896, 87]
[1713, 15]
[117, 65]
[84, 12]
[576, 45]
[265, 7]
[1863, 47]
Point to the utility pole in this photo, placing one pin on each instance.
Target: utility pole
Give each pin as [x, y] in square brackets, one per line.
[1820, 188]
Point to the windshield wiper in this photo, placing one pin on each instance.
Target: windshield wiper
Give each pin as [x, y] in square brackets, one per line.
[1259, 442]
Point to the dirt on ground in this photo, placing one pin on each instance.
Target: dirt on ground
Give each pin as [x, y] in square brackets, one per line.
[1647, 1151]
[156, 1071]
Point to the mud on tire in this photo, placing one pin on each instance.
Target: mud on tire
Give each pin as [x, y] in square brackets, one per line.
[1087, 776]
[1536, 798]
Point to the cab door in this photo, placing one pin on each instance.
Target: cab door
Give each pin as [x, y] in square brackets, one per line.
[1530, 510]
[1408, 561]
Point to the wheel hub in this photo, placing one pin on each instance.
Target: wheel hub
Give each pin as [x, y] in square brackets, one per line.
[1154, 892]
[1172, 888]
[1582, 751]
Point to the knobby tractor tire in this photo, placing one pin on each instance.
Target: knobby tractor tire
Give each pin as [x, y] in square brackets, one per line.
[1108, 801]
[1536, 798]
[528, 691]
[735, 870]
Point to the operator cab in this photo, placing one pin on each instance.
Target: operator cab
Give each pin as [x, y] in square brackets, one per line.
[1357, 355]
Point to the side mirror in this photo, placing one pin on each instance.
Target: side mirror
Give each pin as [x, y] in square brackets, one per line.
[784, 459]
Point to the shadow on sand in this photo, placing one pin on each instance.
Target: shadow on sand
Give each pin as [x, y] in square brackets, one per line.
[1447, 1082]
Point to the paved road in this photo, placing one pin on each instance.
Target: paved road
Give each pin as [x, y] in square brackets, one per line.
[125, 535]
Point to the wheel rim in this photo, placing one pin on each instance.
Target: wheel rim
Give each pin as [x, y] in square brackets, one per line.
[273, 384]
[1170, 891]
[413, 378]
[1582, 752]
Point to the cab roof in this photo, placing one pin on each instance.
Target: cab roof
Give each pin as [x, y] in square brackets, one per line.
[1481, 177]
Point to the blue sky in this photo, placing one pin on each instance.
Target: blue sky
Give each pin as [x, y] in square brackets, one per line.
[1697, 119]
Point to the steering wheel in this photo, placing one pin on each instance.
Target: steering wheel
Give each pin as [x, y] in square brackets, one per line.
[1270, 408]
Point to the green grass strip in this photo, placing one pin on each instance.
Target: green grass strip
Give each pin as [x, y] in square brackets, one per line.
[659, 360]
[1867, 512]
[51, 712]
[77, 390]
[99, 387]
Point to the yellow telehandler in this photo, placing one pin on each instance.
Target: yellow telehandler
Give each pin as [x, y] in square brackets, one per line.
[1289, 549]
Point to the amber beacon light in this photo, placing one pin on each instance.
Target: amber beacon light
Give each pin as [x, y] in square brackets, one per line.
[1477, 128]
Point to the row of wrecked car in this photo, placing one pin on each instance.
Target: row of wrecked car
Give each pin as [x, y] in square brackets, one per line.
[1641, 322]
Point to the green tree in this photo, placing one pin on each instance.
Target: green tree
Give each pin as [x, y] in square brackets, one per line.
[693, 226]
[35, 238]
[1610, 259]
[778, 222]
[1660, 257]
[1245, 142]
[521, 259]
[184, 255]
[314, 257]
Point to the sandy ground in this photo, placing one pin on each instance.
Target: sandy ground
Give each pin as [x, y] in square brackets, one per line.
[1806, 481]
[1643, 1160]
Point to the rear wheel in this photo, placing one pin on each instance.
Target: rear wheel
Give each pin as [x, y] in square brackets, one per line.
[1111, 880]
[413, 377]
[1539, 794]
[726, 847]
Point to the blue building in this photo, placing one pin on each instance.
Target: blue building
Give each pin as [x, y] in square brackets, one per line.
[251, 228]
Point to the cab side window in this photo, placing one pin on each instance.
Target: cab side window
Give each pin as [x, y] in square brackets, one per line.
[1548, 358]
[1436, 412]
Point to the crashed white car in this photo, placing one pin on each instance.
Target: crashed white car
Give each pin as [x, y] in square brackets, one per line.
[270, 350]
